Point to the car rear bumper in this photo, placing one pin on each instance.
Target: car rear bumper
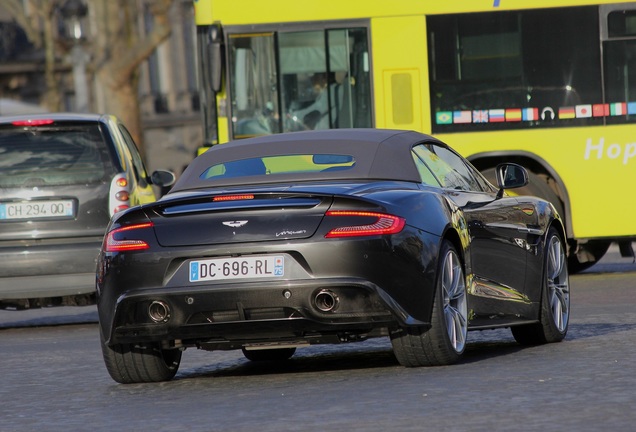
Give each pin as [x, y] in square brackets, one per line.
[48, 267]
[24, 287]
[305, 311]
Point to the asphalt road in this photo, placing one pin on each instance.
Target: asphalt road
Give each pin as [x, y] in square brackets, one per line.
[53, 378]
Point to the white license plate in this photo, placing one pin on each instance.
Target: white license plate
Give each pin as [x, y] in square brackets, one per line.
[237, 268]
[27, 210]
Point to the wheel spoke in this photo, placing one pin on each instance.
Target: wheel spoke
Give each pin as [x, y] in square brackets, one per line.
[454, 295]
[560, 293]
[456, 325]
[555, 259]
[557, 284]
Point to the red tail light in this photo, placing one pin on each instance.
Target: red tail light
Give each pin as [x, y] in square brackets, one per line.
[384, 224]
[119, 239]
[119, 195]
[232, 197]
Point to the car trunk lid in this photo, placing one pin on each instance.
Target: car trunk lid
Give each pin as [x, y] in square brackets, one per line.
[238, 217]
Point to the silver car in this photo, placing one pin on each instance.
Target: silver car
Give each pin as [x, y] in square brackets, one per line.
[62, 177]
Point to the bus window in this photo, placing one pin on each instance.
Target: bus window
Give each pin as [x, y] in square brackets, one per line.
[512, 70]
[324, 79]
[321, 81]
[620, 66]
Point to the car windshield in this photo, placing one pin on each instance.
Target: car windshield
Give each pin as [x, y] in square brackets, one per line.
[41, 156]
[280, 164]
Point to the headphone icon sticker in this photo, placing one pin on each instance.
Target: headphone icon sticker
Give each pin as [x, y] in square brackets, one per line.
[547, 112]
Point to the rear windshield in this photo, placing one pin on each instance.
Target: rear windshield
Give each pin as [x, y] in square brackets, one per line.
[281, 164]
[43, 156]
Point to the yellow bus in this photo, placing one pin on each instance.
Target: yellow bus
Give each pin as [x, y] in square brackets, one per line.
[549, 84]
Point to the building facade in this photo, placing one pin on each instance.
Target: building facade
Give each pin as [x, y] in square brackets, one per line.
[168, 93]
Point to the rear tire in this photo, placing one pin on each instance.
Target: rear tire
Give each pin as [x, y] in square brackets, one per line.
[276, 354]
[140, 363]
[555, 298]
[445, 341]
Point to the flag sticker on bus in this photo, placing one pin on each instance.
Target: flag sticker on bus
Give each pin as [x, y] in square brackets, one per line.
[497, 115]
[462, 117]
[583, 111]
[618, 109]
[444, 117]
[531, 114]
[513, 115]
[480, 116]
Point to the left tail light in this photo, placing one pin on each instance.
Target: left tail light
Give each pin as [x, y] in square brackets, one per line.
[374, 224]
[126, 238]
[119, 196]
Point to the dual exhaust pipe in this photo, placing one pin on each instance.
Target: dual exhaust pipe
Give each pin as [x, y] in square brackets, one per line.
[325, 301]
[159, 312]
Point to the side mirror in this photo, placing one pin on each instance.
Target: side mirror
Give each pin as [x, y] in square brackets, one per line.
[510, 176]
[215, 54]
[162, 178]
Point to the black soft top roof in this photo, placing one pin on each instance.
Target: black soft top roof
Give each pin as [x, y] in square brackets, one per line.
[380, 154]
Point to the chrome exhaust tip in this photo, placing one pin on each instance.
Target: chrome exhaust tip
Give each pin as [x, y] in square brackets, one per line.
[326, 301]
[159, 312]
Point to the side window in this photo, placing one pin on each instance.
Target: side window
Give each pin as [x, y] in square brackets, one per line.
[137, 164]
[448, 167]
[425, 173]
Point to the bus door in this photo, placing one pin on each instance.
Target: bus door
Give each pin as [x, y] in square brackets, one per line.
[286, 81]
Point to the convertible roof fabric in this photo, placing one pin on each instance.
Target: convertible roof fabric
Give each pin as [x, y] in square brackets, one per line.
[380, 154]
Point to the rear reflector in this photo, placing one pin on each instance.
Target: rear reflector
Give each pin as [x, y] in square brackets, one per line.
[40, 122]
[119, 239]
[384, 224]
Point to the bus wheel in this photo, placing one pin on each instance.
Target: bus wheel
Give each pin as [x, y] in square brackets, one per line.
[587, 254]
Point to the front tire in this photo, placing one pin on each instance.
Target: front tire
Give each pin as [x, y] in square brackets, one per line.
[555, 298]
[140, 363]
[445, 341]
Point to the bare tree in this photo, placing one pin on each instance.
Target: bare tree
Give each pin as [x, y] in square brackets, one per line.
[120, 50]
[116, 44]
[36, 17]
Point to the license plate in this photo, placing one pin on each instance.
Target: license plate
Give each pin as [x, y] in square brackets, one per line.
[237, 268]
[28, 210]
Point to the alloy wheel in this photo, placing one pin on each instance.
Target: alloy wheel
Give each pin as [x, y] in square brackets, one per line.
[455, 309]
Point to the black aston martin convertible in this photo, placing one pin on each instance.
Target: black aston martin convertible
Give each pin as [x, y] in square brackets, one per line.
[278, 242]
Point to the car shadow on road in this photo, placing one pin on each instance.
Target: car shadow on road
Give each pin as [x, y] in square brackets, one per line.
[378, 354]
[340, 358]
[302, 362]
